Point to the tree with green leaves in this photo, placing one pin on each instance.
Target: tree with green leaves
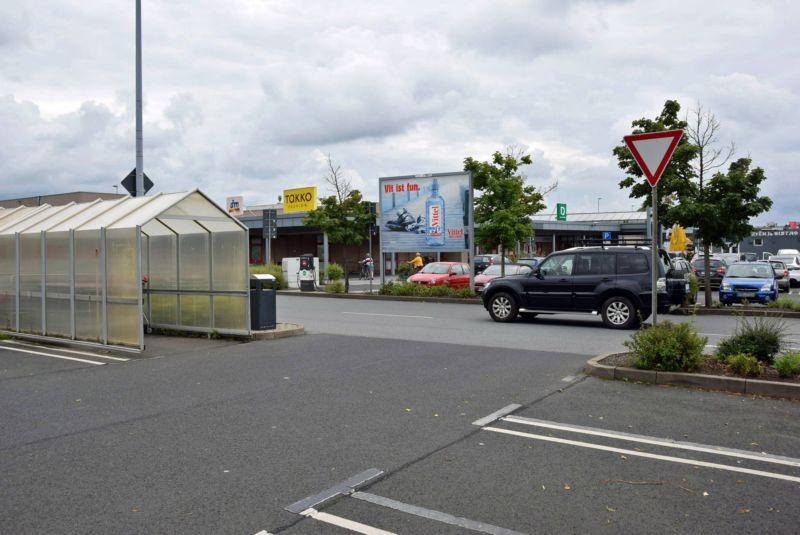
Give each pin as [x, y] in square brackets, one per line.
[719, 208]
[505, 204]
[344, 216]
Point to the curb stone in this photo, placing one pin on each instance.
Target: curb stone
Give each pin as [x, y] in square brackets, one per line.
[596, 368]
[281, 330]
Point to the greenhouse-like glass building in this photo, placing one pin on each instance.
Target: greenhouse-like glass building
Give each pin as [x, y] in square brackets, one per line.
[100, 272]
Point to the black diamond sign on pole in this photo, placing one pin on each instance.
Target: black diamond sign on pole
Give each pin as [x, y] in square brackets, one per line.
[129, 183]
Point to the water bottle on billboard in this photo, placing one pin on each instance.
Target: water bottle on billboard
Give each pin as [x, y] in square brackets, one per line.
[434, 216]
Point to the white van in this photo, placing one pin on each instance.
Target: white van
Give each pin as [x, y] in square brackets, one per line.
[789, 252]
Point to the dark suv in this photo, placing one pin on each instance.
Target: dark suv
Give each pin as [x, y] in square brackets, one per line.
[612, 281]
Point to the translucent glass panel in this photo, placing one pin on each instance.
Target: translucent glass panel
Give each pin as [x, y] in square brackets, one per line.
[163, 262]
[197, 206]
[30, 269]
[88, 286]
[230, 312]
[229, 253]
[195, 310]
[123, 324]
[194, 262]
[163, 309]
[122, 287]
[57, 284]
[8, 282]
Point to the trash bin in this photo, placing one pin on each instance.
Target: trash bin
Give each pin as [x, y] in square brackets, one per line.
[262, 302]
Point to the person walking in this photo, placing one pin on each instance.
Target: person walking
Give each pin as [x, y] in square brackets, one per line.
[368, 266]
[416, 262]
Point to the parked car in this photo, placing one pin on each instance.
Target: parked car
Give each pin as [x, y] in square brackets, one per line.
[532, 261]
[753, 282]
[452, 274]
[482, 261]
[718, 268]
[681, 268]
[781, 274]
[794, 252]
[789, 260]
[493, 271]
[611, 281]
[794, 276]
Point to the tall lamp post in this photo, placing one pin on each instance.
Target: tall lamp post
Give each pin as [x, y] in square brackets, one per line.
[598, 204]
[139, 141]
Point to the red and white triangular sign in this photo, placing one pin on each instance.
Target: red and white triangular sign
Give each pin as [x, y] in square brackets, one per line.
[652, 151]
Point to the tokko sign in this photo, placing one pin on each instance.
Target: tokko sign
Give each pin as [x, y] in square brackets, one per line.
[299, 200]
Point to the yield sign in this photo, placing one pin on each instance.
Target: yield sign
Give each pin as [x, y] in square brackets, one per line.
[652, 151]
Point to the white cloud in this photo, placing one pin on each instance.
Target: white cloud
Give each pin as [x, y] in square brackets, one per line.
[249, 96]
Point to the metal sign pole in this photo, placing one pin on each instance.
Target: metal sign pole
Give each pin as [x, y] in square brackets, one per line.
[139, 141]
[654, 261]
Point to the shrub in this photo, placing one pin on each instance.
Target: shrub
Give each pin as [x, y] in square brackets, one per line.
[668, 347]
[783, 303]
[746, 365]
[335, 287]
[441, 291]
[404, 271]
[788, 365]
[762, 337]
[334, 272]
[272, 269]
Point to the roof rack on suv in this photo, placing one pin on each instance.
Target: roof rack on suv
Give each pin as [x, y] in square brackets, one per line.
[614, 243]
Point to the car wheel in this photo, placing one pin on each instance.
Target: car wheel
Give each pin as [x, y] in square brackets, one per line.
[619, 313]
[503, 307]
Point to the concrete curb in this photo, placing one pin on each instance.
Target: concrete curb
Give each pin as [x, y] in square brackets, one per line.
[739, 311]
[281, 330]
[737, 385]
[376, 297]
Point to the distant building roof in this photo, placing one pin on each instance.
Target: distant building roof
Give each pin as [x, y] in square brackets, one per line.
[585, 217]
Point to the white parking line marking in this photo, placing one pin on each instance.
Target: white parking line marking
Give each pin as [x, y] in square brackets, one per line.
[387, 315]
[496, 415]
[358, 527]
[730, 452]
[431, 514]
[53, 356]
[71, 351]
[635, 453]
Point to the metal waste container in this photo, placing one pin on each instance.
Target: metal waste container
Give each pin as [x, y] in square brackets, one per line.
[262, 302]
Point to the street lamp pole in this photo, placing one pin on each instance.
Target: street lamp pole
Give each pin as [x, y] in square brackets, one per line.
[139, 140]
[598, 204]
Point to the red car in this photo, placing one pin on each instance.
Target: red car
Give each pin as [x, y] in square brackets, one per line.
[452, 274]
[493, 272]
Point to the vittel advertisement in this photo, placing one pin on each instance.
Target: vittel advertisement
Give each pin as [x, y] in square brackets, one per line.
[425, 212]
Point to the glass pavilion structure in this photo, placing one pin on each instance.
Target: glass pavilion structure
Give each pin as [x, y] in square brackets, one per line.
[100, 272]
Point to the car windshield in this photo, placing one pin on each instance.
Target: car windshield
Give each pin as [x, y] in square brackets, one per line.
[750, 271]
[494, 269]
[436, 268]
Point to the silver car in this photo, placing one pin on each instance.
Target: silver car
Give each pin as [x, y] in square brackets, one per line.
[782, 278]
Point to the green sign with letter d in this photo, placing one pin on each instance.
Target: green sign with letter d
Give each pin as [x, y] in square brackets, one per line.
[561, 212]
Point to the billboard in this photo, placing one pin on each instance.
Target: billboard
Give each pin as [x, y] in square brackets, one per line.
[426, 212]
[299, 199]
[234, 205]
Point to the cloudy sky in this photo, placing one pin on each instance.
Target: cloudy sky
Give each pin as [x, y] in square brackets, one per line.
[248, 97]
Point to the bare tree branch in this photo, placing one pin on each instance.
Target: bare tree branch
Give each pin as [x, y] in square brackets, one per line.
[703, 129]
[341, 185]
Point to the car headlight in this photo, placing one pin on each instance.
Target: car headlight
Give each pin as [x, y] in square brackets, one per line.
[767, 287]
[486, 284]
[726, 286]
[433, 281]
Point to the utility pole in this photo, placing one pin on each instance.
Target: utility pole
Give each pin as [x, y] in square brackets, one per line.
[139, 140]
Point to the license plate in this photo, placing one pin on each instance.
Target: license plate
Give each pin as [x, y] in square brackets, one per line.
[746, 293]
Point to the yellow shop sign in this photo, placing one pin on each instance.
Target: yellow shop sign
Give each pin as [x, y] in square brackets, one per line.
[299, 200]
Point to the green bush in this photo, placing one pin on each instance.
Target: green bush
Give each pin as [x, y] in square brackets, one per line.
[784, 303]
[404, 271]
[788, 365]
[272, 269]
[334, 272]
[420, 290]
[335, 287]
[668, 346]
[762, 337]
[743, 364]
